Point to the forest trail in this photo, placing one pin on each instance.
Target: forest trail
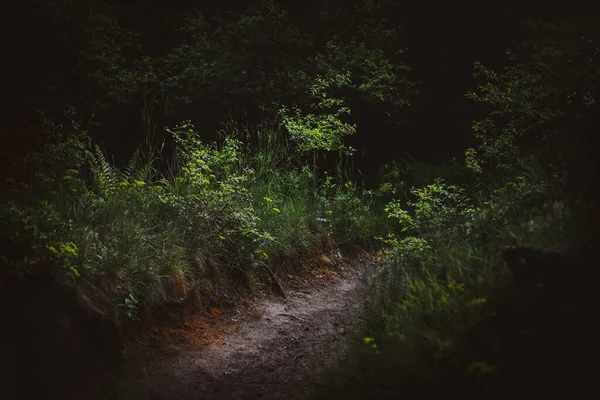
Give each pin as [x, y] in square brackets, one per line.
[267, 349]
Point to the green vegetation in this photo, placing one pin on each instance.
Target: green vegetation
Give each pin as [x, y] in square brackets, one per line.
[447, 275]
[445, 262]
[186, 218]
[184, 212]
[124, 236]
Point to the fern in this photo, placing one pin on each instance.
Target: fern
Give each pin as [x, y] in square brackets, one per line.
[104, 175]
[130, 169]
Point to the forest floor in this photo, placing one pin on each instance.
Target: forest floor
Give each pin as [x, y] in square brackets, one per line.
[265, 348]
[273, 347]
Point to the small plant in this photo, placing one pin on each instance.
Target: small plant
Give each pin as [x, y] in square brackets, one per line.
[129, 306]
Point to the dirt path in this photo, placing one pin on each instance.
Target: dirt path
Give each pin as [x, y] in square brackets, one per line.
[269, 348]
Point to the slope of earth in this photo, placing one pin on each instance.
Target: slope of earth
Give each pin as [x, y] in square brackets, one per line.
[265, 349]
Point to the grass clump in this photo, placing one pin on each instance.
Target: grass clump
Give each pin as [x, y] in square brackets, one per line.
[447, 282]
[159, 231]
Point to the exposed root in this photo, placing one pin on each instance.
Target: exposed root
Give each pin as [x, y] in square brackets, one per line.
[275, 281]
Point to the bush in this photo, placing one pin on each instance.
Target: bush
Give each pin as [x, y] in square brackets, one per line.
[143, 235]
[447, 277]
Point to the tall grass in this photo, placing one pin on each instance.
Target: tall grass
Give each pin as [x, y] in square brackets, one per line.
[156, 232]
[446, 274]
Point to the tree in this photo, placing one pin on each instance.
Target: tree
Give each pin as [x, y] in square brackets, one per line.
[265, 56]
[543, 107]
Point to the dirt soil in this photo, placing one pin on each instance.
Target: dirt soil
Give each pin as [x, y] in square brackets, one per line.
[261, 349]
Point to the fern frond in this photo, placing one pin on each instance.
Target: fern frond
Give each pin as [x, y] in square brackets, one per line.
[104, 175]
[130, 169]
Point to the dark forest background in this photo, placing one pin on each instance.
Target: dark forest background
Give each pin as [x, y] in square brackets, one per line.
[161, 157]
[442, 40]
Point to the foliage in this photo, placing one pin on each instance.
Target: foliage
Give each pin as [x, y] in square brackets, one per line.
[445, 277]
[437, 209]
[123, 235]
[115, 62]
[325, 131]
[353, 215]
[155, 231]
[444, 259]
[63, 149]
[541, 103]
[233, 59]
[369, 46]
[41, 237]
[222, 58]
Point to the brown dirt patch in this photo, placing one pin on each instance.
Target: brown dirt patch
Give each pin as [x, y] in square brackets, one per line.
[258, 349]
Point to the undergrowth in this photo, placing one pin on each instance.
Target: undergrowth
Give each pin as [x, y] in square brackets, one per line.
[445, 271]
[160, 231]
